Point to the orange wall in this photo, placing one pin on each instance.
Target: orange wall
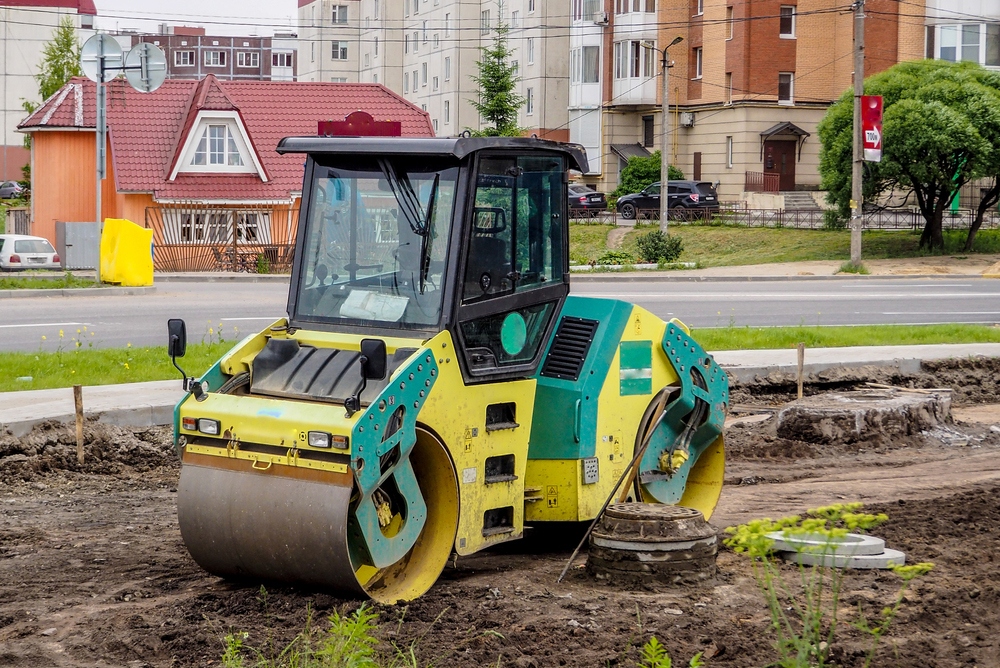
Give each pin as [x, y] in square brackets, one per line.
[62, 179]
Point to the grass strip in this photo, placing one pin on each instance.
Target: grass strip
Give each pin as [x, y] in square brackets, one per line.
[774, 338]
[103, 366]
[30, 283]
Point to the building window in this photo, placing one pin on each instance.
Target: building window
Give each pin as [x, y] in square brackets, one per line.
[215, 59]
[367, 60]
[584, 10]
[416, 80]
[281, 60]
[447, 68]
[434, 84]
[701, 8]
[976, 42]
[633, 60]
[217, 146]
[591, 64]
[786, 84]
[447, 112]
[484, 22]
[375, 78]
[529, 107]
[376, 9]
[340, 13]
[416, 6]
[183, 58]
[787, 23]
[338, 79]
[437, 40]
[729, 152]
[698, 62]
[406, 43]
[729, 22]
[376, 46]
[423, 73]
[531, 6]
[424, 31]
[531, 50]
[416, 41]
[406, 82]
[515, 20]
[248, 59]
[447, 25]
[338, 50]
[729, 87]
[435, 122]
[647, 130]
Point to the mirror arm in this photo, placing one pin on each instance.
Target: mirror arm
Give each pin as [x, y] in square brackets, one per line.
[188, 384]
[353, 403]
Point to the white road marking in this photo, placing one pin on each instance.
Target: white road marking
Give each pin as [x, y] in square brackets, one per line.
[642, 296]
[50, 324]
[263, 317]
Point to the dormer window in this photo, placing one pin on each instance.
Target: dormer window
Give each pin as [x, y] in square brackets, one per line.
[217, 146]
[218, 143]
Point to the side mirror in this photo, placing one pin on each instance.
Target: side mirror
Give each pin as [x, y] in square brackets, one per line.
[176, 337]
[374, 359]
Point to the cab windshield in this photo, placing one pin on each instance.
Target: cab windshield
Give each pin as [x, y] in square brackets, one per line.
[376, 241]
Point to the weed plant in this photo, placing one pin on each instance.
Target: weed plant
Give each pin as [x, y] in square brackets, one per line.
[805, 606]
[41, 283]
[733, 337]
[851, 268]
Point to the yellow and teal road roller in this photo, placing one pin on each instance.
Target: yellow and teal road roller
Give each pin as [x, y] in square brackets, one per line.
[435, 387]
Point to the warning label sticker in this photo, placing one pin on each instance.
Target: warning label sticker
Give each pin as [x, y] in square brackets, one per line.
[552, 496]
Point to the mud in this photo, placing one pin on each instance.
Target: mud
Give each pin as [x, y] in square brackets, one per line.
[93, 571]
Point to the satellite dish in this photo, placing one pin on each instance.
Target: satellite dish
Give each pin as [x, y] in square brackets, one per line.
[145, 67]
[99, 47]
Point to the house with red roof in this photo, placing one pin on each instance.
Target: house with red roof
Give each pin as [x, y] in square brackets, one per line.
[194, 160]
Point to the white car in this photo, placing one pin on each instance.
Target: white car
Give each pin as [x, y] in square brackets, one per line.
[18, 251]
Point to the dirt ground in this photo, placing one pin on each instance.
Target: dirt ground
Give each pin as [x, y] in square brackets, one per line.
[93, 571]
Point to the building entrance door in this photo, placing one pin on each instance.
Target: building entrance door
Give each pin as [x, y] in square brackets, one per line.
[779, 158]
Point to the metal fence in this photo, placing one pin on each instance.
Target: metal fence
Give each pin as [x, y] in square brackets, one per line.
[196, 237]
[760, 182]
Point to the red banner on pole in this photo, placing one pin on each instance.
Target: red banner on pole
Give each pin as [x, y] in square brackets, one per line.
[871, 127]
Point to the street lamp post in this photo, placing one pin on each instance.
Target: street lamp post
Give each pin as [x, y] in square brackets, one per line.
[664, 155]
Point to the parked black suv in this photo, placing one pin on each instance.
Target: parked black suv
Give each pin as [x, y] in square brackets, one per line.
[683, 195]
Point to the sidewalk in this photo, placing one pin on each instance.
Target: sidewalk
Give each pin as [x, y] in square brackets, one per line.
[146, 404]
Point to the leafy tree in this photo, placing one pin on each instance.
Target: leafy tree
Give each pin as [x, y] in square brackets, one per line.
[60, 62]
[940, 130]
[498, 103]
[640, 172]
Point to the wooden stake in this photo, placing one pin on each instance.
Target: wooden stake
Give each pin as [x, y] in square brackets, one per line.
[78, 400]
[802, 359]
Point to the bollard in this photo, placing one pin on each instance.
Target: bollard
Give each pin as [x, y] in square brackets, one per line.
[78, 400]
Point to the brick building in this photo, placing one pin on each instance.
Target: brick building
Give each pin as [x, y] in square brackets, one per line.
[749, 83]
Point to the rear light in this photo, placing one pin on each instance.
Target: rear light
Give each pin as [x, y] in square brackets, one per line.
[583, 199]
[694, 197]
[55, 259]
[208, 426]
[15, 259]
[189, 423]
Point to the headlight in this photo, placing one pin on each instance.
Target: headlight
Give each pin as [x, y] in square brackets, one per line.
[322, 439]
[207, 426]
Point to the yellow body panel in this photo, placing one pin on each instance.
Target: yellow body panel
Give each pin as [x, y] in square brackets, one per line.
[456, 413]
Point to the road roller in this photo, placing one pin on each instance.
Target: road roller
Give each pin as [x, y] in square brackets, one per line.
[434, 387]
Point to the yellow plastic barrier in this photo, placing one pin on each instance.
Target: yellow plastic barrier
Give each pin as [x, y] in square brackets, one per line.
[126, 253]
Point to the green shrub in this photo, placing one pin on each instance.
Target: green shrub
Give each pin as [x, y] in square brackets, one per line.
[263, 264]
[641, 172]
[832, 220]
[616, 257]
[658, 247]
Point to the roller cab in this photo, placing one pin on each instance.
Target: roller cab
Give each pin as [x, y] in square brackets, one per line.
[434, 386]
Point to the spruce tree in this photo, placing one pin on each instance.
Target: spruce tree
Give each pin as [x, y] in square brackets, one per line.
[498, 104]
[60, 62]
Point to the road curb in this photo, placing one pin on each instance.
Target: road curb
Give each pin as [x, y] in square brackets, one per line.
[221, 278]
[75, 292]
[639, 277]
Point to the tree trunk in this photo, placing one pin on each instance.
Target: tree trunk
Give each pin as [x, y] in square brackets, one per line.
[989, 199]
[932, 236]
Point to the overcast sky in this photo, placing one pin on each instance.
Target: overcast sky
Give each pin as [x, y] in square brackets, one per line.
[218, 17]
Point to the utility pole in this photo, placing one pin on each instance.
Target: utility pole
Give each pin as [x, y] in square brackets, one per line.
[857, 210]
[665, 131]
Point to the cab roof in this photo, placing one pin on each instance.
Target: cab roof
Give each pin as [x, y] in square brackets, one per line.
[458, 147]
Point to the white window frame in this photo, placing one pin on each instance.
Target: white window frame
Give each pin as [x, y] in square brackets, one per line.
[531, 6]
[221, 58]
[406, 42]
[447, 68]
[416, 41]
[447, 25]
[236, 129]
[406, 82]
[423, 29]
[530, 48]
[376, 46]
[282, 59]
[700, 8]
[180, 56]
[515, 20]
[529, 104]
[583, 63]
[699, 62]
[958, 30]
[484, 22]
[435, 124]
[786, 35]
[435, 83]
[730, 22]
[791, 88]
[729, 152]
[338, 16]
[338, 50]
[729, 88]
[246, 59]
[437, 40]
[423, 75]
[447, 112]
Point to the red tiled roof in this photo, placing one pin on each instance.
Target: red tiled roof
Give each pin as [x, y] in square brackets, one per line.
[81, 6]
[148, 130]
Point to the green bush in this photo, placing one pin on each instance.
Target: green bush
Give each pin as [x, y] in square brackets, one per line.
[615, 257]
[658, 247]
[832, 220]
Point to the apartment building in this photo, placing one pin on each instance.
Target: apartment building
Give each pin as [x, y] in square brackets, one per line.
[27, 26]
[191, 54]
[426, 50]
[963, 30]
[748, 84]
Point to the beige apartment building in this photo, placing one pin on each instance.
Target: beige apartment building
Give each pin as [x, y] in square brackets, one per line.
[426, 51]
[748, 84]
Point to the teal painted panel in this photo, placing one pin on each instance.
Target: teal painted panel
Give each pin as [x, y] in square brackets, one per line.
[635, 363]
[557, 431]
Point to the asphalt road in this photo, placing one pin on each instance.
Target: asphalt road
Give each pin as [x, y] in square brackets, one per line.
[242, 308]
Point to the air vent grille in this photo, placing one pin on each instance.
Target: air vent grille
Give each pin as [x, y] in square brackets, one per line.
[570, 347]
